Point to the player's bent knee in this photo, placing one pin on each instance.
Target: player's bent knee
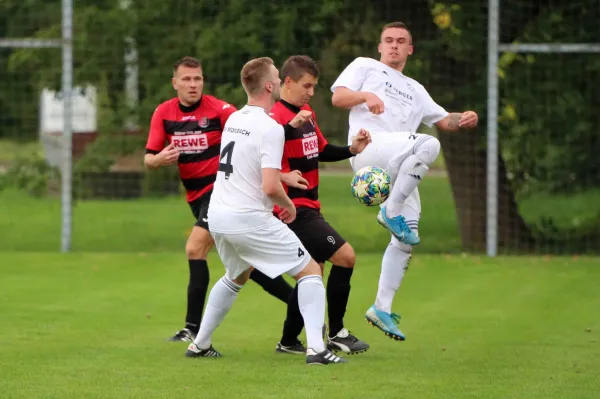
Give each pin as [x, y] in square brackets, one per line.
[428, 150]
[198, 243]
[344, 257]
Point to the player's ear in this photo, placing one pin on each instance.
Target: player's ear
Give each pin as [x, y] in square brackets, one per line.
[379, 48]
[410, 49]
[173, 81]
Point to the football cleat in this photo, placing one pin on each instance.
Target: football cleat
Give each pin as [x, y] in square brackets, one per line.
[386, 322]
[296, 349]
[194, 351]
[325, 357]
[345, 342]
[398, 227]
[184, 335]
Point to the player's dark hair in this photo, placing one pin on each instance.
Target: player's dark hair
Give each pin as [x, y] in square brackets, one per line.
[297, 65]
[254, 72]
[397, 24]
[187, 61]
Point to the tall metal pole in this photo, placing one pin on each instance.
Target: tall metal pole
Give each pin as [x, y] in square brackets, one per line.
[67, 157]
[492, 130]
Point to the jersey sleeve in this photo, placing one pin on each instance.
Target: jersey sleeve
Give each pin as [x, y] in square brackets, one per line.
[157, 135]
[352, 77]
[432, 112]
[321, 138]
[226, 111]
[271, 148]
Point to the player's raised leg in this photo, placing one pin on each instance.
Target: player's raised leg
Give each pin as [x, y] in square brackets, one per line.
[407, 173]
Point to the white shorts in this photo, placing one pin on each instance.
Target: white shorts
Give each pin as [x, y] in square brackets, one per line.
[388, 151]
[274, 250]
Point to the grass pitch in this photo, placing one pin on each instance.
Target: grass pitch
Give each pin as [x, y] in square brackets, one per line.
[94, 326]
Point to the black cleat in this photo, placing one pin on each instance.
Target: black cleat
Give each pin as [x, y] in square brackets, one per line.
[184, 335]
[194, 351]
[345, 342]
[325, 357]
[296, 349]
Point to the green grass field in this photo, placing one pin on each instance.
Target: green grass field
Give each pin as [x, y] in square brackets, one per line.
[93, 323]
[94, 326]
[156, 225]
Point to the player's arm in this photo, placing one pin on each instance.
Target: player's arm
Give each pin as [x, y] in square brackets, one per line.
[271, 154]
[334, 153]
[345, 98]
[455, 121]
[157, 154]
[347, 89]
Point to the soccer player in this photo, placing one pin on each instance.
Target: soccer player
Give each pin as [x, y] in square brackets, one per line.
[392, 106]
[245, 231]
[304, 148]
[192, 124]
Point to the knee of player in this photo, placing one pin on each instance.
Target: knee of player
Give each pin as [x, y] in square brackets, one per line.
[346, 257]
[429, 150]
[198, 248]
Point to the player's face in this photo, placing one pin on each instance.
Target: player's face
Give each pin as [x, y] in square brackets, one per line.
[395, 47]
[273, 84]
[302, 91]
[188, 82]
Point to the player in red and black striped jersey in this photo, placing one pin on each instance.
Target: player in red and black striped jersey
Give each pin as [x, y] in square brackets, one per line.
[304, 148]
[186, 131]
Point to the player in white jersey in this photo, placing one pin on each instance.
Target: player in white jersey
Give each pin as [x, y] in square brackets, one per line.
[241, 220]
[391, 106]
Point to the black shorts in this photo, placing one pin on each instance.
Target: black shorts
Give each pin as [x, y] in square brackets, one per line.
[200, 210]
[318, 237]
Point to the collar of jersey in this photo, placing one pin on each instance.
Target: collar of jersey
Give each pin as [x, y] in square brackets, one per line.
[289, 106]
[185, 109]
[255, 108]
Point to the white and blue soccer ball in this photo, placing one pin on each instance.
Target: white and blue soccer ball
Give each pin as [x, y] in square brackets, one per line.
[371, 185]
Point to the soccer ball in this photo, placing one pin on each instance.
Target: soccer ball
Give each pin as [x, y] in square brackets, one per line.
[371, 185]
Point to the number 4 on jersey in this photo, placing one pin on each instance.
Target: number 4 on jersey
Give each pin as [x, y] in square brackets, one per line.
[226, 153]
[300, 252]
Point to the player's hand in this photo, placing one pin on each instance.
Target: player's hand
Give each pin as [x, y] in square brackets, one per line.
[288, 214]
[374, 104]
[294, 179]
[360, 141]
[301, 118]
[468, 120]
[168, 156]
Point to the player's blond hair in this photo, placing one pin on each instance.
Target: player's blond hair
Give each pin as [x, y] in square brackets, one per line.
[254, 74]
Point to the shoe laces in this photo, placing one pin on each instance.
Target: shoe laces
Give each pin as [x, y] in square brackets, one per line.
[402, 224]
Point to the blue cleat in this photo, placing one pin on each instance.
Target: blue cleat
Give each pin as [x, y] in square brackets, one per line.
[386, 322]
[398, 227]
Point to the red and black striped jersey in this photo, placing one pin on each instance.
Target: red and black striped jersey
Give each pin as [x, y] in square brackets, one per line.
[301, 152]
[196, 132]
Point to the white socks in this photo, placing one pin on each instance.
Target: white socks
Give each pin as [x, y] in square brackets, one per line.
[220, 300]
[393, 267]
[311, 301]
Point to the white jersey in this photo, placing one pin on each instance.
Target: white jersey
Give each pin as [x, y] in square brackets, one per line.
[406, 102]
[251, 141]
